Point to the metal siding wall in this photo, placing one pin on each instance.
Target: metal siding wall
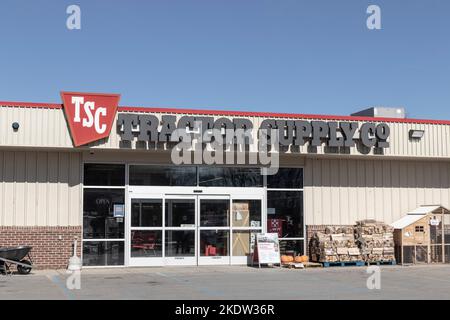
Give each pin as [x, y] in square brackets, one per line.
[384, 190]
[41, 127]
[40, 188]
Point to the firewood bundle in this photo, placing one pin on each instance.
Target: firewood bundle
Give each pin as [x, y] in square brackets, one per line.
[375, 240]
[335, 245]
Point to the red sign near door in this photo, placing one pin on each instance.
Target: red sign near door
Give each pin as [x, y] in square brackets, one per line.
[90, 115]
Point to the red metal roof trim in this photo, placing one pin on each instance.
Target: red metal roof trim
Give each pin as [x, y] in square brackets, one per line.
[31, 105]
[277, 115]
[232, 113]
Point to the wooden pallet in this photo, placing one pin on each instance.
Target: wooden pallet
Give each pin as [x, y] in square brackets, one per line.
[343, 264]
[382, 263]
[293, 265]
[312, 265]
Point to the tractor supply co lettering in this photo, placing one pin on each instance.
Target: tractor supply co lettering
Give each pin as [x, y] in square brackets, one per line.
[149, 128]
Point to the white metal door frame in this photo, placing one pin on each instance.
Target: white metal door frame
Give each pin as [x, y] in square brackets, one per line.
[142, 261]
[214, 260]
[181, 260]
[196, 193]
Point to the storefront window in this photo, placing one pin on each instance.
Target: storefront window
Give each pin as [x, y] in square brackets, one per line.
[214, 243]
[142, 175]
[180, 212]
[286, 178]
[103, 214]
[292, 247]
[146, 213]
[99, 218]
[98, 174]
[285, 213]
[180, 243]
[214, 213]
[246, 213]
[230, 177]
[146, 243]
[103, 253]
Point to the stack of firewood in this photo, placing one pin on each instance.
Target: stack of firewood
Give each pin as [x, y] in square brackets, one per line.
[375, 240]
[335, 245]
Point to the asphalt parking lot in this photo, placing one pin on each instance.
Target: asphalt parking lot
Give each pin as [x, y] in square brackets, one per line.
[232, 282]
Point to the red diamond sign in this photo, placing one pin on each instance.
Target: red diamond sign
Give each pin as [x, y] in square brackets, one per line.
[90, 115]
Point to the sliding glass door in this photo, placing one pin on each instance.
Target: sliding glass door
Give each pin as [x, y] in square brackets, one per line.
[188, 229]
[214, 230]
[180, 230]
[146, 231]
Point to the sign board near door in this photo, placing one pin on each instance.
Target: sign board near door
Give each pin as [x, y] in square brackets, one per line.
[268, 248]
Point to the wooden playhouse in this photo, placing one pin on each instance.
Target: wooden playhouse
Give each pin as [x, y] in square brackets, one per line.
[423, 236]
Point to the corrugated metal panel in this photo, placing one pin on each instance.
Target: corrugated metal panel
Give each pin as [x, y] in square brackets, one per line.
[38, 128]
[40, 188]
[41, 127]
[384, 190]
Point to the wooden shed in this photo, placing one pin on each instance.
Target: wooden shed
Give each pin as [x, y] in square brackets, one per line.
[423, 236]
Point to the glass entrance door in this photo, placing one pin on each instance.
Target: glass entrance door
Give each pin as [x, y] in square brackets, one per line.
[146, 231]
[180, 230]
[214, 230]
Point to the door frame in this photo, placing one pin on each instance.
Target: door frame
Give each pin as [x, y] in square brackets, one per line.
[142, 261]
[180, 261]
[216, 260]
[197, 193]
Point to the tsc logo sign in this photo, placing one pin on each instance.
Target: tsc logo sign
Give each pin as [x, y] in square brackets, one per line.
[90, 115]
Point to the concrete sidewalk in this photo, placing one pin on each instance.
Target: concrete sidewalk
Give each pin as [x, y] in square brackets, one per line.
[232, 282]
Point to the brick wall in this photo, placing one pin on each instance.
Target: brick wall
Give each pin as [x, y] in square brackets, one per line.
[52, 246]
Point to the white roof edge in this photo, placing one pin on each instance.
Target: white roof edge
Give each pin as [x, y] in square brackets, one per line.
[415, 215]
[424, 210]
[406, 221]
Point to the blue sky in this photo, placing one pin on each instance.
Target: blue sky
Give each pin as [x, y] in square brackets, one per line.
[255, 55]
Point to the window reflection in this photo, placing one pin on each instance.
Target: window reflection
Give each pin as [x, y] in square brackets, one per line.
[146, 213]
[146, 243]
[141, 175]
[98, 214]
[99, 174]
[230, 177]
[292, 247]
[103, 253]
[287, 178]
[214, 213]
[285, 213]
[180, 243]
[214, 243]
[180, 213]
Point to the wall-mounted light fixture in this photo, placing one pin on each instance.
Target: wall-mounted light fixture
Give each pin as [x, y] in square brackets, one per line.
[416, 134]
[15, 126]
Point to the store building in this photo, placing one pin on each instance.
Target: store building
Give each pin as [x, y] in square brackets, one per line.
[105, 174]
